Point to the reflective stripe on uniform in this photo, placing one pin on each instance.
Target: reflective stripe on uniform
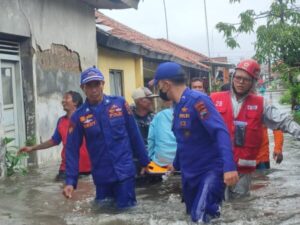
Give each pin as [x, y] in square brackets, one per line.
[245, 162]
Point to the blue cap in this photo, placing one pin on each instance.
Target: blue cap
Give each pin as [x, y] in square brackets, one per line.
[168, 70]
[91, 74]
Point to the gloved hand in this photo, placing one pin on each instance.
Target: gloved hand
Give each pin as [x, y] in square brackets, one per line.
[278, 157]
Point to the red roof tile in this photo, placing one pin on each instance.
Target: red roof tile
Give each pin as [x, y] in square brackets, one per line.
[157, 45]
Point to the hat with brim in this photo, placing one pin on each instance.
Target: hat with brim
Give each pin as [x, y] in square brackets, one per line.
[91, 74]
[168, 70]
[142, 92]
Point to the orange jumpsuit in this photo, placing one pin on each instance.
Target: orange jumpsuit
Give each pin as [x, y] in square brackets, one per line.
[264, 153]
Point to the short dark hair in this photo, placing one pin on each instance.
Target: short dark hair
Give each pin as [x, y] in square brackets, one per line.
[76, 98]
[194, 79]
[178, 80]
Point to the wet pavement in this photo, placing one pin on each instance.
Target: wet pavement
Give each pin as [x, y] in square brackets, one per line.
[37, 199]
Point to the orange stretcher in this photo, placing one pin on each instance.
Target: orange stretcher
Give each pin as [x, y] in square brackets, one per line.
[153, 168]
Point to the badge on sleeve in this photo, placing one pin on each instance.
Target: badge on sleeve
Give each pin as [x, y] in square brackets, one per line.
[202, 110]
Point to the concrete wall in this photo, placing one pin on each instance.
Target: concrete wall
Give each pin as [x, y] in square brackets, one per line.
[132, 67]
[62, 42]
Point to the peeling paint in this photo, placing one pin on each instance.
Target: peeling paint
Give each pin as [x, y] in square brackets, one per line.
[58, 57]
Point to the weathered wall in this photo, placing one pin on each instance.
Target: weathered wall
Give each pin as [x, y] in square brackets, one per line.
[2, 152]
[66, 22]
[62, 42]
[129, 64]
[57, 71]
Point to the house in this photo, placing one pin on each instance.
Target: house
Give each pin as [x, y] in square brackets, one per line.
[44, 45]
[130, 58]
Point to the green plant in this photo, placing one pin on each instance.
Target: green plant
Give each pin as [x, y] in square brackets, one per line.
[296, 115]
[285, 98]
[13, 159]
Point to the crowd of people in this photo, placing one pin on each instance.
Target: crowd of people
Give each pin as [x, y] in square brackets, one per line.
[216, 142]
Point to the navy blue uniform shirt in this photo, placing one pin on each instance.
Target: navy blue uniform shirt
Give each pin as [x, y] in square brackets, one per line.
[111, 136]
[203, 140]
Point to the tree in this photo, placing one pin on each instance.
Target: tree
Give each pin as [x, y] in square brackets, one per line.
[278, 42]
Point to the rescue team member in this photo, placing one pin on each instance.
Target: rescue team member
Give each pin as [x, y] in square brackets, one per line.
[204, 151]
[111, 134]
[70, 102]
[263, 157]
[244, 114]
[197, 84]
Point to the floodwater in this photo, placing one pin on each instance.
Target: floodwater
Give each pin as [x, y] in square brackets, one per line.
[35, 199]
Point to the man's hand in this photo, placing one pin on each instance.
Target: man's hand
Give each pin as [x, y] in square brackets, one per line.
[170, 168]
[25, 149]
[231, 178]
[278, 157]
[144, 170]
[68, 191]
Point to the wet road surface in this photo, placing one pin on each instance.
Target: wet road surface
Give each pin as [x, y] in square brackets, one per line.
[35, 199]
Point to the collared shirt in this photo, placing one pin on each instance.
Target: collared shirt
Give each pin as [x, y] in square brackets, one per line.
[111, 137]
[236, 104]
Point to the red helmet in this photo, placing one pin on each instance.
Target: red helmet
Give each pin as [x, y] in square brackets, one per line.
[250, 66]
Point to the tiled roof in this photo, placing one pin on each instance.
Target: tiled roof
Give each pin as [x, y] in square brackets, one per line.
[158, 45]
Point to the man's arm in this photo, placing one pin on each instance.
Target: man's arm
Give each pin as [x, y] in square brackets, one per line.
[278, 141]
[274, 119]
[215, 126]
[55, 140]
[47, 144]
[74, 141]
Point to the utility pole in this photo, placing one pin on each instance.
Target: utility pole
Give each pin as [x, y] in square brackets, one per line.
[166, 19]
[208, 48]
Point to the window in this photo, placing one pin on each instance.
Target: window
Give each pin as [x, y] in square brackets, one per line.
[116, 82]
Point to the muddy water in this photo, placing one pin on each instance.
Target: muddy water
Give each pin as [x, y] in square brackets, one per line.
[36, 199]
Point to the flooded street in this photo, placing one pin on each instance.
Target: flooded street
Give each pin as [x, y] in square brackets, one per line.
[37, 199]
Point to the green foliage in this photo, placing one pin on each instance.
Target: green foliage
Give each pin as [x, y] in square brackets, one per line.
[277, 41]
[297, 116]
[285, 98]
[247, 21]
[13, 160]
[7, 140]
[13, 163]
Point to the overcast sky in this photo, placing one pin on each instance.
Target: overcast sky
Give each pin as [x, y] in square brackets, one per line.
[186, 23]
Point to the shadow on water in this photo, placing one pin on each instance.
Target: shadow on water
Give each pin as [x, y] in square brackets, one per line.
[35, 199]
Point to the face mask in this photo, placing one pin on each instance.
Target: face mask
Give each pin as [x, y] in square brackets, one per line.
[163, 95]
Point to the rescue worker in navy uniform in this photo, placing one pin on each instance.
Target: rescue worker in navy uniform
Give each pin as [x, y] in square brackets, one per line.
[111, 134]
[244, 114]
[204, 151]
